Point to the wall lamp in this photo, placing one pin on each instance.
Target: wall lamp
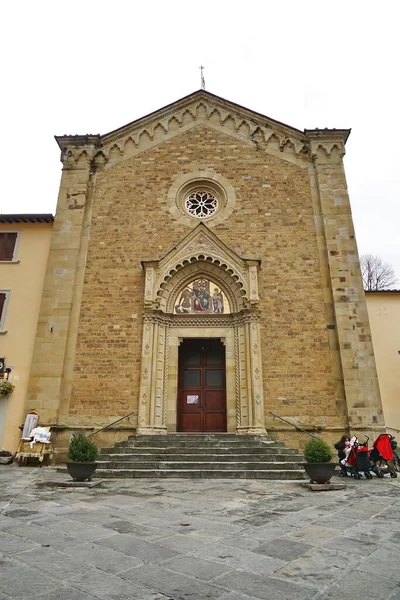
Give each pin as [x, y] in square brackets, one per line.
[7, 372]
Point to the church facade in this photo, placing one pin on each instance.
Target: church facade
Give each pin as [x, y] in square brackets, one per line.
[203, 273]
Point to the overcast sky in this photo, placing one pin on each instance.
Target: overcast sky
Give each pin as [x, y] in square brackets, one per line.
[86, 66]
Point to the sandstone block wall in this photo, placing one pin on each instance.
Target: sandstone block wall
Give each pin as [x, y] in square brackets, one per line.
[273, 220]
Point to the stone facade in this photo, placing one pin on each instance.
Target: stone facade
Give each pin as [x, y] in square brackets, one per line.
[281, 247]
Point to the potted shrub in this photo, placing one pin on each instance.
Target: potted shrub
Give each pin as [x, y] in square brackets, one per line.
[6, 388]
[82, 453]
[318, 455]
[6, 457]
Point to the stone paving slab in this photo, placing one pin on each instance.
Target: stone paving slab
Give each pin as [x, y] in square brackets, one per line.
[324, 487]
[196, 539]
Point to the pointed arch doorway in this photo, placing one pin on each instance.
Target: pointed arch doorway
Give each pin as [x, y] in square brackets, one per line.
[201, 386]
[201, 290]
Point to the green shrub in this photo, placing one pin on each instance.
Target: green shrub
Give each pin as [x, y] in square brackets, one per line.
[317, 450]
[6, 388]
[82, 449]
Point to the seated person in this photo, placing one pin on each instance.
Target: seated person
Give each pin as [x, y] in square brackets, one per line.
[343, 447]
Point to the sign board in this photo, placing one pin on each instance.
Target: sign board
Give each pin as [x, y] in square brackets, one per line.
[192, 399]
[2, 365]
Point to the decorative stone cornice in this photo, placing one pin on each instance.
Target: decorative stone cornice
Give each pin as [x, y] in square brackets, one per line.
[207, 104]
[78, 151]
[324, 142]
[200, 108]
[77, 141]
[201, 321]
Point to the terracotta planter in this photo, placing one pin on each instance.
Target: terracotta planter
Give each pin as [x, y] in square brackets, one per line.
[6, 460]
[320, 472]
[81, 471]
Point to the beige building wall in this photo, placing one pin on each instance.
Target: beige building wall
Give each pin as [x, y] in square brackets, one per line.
[384, 317]
[23, 279]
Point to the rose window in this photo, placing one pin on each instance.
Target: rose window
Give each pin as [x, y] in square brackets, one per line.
[201, 204]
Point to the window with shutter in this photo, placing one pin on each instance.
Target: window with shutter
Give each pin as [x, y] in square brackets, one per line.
[7, 245]
[3, 296]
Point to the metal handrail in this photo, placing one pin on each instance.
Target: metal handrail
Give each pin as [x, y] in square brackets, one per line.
[295, 426]
[393, 428]
[109, 425]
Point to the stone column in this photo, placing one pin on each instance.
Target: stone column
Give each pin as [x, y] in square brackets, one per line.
[359, 373]
[54, 324]
[257, 395]
[250, 377]
[151, 413]
[242, 414]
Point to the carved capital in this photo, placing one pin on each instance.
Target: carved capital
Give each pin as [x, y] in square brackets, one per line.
[77, 151]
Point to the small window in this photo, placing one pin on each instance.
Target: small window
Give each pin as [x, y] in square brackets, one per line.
[8, 241]
[4, 294]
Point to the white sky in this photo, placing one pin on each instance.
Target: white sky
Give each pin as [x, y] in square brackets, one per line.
[90, 66]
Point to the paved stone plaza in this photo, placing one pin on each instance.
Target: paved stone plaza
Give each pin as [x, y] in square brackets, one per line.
[196, 539]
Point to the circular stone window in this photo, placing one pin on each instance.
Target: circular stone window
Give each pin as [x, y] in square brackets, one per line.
[201, 195]
[201, 204]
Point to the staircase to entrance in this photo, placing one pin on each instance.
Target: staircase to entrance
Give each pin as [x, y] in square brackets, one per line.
[211, 455]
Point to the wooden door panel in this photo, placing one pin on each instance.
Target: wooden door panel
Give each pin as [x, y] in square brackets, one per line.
[214, 421]
[214, 400]
[192, 422]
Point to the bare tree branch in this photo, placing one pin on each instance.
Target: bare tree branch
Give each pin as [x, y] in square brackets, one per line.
[376, 274]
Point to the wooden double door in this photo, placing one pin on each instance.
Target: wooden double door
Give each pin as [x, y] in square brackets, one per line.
[202, 386]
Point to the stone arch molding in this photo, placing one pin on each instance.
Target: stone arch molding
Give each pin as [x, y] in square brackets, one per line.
[201, 252]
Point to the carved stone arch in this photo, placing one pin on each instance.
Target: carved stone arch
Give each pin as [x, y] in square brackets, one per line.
[99, 160]
[187, 116]
[83, 159]
[337, 153]
[273, 142]
[69, 158]
[144, 137]
[215, 113]
[202, 110]
[231, 282]
[229, 285]
[202, 246]
[129, 145]
[115, 151]
[174, 123]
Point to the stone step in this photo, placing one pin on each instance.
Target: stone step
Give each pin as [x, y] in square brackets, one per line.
[208, 466]
[200, 436]
[225, 455]
[267, 451]
[204, 474]
[206, 457]
[181, 438]
[200, 444]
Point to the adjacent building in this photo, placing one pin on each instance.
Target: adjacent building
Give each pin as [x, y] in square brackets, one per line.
[384, 317]
[24, 248]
